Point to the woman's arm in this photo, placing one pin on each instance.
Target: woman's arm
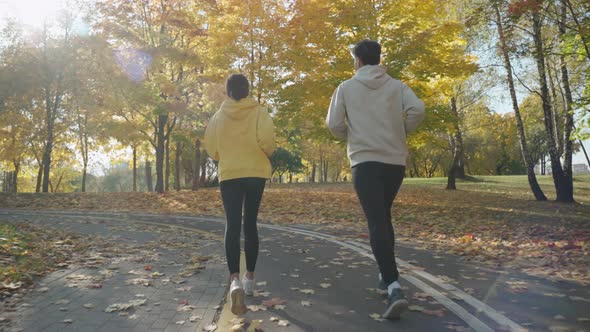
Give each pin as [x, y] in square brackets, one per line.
[266, 133]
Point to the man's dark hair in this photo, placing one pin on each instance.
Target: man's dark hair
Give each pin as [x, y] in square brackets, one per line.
[368, 51]
[237, 87]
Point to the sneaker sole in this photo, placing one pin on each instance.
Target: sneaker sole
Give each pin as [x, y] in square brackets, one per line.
[396, 309]
[238, 307]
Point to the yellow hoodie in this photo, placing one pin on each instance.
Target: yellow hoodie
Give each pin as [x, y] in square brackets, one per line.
[241, 137]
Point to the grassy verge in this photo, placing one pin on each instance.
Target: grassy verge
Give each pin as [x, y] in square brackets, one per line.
[28, 251]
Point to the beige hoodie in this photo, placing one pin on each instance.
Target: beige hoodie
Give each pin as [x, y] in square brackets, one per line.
[374, 112]
[241, 136]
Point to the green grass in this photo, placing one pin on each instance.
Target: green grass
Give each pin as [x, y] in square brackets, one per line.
[18, 260]
[512, 185]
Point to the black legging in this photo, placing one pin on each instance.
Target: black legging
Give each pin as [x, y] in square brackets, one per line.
[236, 194]
[377, 185]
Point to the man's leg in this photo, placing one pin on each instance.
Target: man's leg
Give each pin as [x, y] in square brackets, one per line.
[233, 197]
[370, 187]
[393, 178]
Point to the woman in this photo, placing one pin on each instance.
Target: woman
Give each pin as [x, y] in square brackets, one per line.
[241, 137]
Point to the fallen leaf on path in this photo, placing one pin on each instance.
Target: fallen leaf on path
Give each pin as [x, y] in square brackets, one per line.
[377, 317]
[94, 286]
[11, 285]
[273, 302]
[325, 285]
[307, 291]
[283, 323]
[210, 328]
[68, 321]
[139, 281]
[255, 308]
[305, 303]
[185, 308]
[125, 306]
[194, 318]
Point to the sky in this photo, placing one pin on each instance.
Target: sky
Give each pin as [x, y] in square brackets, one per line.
[31, 13]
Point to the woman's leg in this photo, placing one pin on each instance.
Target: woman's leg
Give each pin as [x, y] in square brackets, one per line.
[254, 188]
[232, 194]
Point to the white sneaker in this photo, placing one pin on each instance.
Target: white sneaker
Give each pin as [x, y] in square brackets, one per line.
[238, 307]
[248, 285]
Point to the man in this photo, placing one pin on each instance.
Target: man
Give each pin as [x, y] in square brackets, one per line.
[375, 112]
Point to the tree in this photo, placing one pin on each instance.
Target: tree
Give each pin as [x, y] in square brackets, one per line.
[161, 38]
[530, 162]
[283, 161]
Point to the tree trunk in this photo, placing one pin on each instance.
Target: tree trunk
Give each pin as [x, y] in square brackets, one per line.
[160, 152]
[197, 166]
[312, 177]
[456, 170]
[48, 149]
[83, 137]
[61, 176]
[569, 114]
[39, 178]
[559, 179]
[415, 172]
[148, 176]
[167, 172]
[533, 183]
[558, 136]
[204, 157]
[178, 152]
[585, 153]
[134, 169]
[15, 177]
[84, 171]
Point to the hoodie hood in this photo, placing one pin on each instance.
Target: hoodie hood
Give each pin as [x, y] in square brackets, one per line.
[373, 77]
[238, 110]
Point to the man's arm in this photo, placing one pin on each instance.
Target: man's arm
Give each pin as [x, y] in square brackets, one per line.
[336, 118]
[413, 108]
